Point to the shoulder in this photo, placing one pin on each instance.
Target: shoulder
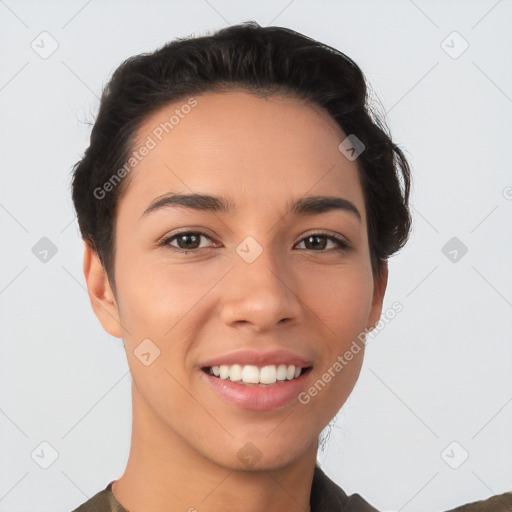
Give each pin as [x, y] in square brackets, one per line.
[326, 496]
[498, 503]
[101, 502]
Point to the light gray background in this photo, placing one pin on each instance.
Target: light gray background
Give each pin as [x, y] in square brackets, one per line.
[439, 372]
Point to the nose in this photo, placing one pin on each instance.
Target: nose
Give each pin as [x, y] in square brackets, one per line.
[261, 295]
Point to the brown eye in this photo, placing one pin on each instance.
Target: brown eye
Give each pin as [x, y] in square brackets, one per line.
[186, 241]
[190, 241]
[317, 242]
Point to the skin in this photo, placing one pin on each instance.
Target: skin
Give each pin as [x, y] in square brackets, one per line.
[261, 153]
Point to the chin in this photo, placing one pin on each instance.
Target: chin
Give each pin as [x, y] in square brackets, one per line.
[261, 452]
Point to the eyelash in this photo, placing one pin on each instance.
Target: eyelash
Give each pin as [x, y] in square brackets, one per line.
[342, 244]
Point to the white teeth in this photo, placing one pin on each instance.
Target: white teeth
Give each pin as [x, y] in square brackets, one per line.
[224, 371]
[268, 374]
[281, 372]
[235, 372]
[250, 374]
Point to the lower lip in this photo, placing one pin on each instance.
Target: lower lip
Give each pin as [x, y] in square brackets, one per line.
[258, 398]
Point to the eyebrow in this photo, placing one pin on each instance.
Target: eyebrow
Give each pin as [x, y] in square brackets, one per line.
[310, 205]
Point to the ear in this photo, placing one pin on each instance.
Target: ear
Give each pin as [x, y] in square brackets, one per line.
[102, 297]
[380, 283]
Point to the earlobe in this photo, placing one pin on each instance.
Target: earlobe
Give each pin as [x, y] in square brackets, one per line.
[102, 298]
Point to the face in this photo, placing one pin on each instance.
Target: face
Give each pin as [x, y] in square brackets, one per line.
[260, 284]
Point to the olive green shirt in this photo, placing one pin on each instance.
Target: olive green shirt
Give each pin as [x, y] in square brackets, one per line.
[326, 496]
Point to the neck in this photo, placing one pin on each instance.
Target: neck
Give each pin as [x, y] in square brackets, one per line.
[165, 474]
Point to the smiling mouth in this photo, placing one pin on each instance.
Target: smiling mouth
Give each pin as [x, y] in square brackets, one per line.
[252, 375]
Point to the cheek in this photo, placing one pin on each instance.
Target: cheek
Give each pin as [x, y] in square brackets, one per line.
[166, 304]
[155, 296]
[341, 298]
[343, 307]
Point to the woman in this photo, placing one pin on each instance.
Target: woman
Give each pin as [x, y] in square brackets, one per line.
[238, 203]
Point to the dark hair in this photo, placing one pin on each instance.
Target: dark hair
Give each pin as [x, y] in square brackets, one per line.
[261, 60]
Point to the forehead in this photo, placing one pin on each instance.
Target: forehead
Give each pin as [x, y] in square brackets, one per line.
[256, 148]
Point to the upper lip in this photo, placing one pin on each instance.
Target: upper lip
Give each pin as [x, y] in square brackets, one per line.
[258, 358]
